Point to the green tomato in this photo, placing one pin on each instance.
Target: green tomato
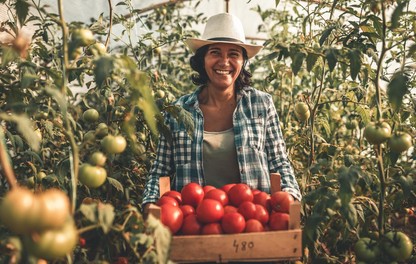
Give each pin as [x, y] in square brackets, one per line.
[91, 115]
[96, 49]
[53, 243]
[400, 142]
[92, 176]
[19, 210]
[367, 250]
[302, 111]
[98, 158]
[113, 144]
[377, 133]
[397, 245]
[101, 130]
[82, 37]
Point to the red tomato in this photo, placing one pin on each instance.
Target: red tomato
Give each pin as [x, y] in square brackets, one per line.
[191, 226]
[209, 211]
[261, 214]
[167, 200]
[212, 229]
[227, 187]
[192, 194]
[247, 209]
[230, 209]
[217, 194]
[233, 223]
[208, 188]
[279, 221]
[253, 225]
[255, 191]
[174, 194]
[171, 216]
[239, 193]
[280, 201]
[187, 210]
[262, 198]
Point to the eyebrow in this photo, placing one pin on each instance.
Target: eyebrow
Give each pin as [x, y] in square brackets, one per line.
[232, 49]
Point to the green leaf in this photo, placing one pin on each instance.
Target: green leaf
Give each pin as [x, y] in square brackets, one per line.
[22, 10]
[397, 13]
[115, 183]
[311, 59]
[89, 211]
[396, 90]
[297, 62]
[103, 67]
[412, 50]
[347, 179]
[142, 96]
[331, 57]
[106, 216]
[355, 63]
[163, 239]
[350, 214]
[325, 35]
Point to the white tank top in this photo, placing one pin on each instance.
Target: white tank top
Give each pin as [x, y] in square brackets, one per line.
[220, 158]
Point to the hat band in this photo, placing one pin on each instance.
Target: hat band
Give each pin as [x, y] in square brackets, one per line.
[226, 39]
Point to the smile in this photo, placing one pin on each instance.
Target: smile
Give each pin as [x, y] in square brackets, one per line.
[222, 72]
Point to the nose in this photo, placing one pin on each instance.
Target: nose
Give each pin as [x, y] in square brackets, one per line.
[224, 60]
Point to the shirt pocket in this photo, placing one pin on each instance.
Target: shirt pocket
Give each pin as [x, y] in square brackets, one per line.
[182, 147]
[255, 132]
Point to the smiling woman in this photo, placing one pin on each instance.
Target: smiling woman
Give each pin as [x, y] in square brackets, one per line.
[237, 137]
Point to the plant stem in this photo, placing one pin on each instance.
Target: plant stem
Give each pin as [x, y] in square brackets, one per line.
[107, 41]
[381, 176]
[74, 158]
[5, 164]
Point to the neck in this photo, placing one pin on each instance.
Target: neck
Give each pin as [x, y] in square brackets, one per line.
[216, 97]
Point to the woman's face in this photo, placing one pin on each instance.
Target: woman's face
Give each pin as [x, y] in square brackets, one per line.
[223, 64]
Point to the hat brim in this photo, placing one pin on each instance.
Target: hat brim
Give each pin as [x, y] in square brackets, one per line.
[194, 44]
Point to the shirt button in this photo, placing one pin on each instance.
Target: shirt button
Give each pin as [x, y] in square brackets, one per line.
[242, 171]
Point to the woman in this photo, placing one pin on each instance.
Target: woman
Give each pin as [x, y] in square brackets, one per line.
[237, 136]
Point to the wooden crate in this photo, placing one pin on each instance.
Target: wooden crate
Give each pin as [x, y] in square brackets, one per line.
[243, 247]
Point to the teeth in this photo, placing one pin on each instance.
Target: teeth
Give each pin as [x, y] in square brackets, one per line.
[222, 72]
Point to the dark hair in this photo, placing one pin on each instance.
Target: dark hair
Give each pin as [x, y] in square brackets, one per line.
[201, 77]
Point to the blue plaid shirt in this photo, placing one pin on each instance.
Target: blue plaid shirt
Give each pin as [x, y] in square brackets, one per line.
[258, 139]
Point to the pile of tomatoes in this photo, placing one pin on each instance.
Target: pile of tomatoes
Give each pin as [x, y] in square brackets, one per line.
[231, 209]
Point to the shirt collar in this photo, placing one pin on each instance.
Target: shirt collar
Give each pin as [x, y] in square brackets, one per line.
[192, 100]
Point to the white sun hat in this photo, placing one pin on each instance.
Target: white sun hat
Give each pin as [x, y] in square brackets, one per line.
[223, 28]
